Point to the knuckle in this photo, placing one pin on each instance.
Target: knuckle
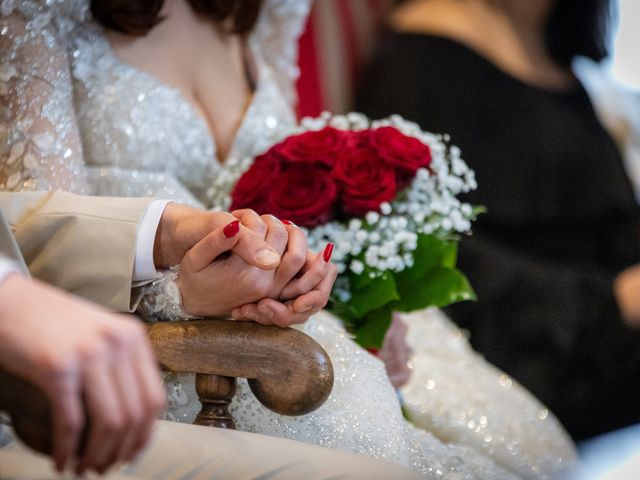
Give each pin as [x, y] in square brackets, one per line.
[57, 367]
[258, 226]
[113, 423]
[296, 258]
[279, 233]
[71, 425]
[120, 339]
[322, 301]
[136, 415]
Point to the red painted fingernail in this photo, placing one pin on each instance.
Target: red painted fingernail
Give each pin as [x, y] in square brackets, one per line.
[232, 229]
[328, 251]
[287, 222]
[373, 351]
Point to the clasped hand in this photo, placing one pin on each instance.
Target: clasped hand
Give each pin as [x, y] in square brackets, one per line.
[243, 265]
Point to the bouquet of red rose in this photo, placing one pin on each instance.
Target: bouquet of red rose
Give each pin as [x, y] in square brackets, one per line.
[385, 193]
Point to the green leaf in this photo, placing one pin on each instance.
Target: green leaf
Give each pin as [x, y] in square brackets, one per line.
[371, 330]
[440, 287]
[478, 210]
[379, 292]
[426, 256]
[362, 280]
[450, 255]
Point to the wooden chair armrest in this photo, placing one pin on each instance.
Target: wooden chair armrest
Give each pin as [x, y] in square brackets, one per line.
[28, 409]
[288, 371]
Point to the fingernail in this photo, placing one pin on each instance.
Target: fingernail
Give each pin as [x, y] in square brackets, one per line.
[235, 314]
[268, 256]
[266, 311]
[304, 308]
[373, 351]
[232, 229]
[328, 251]
[288, 222]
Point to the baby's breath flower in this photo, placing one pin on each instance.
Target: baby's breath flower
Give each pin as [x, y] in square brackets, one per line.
[372, 218]
[357, 267]
[385, 208]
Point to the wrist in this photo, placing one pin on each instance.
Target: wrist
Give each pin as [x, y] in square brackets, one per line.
[164, 252]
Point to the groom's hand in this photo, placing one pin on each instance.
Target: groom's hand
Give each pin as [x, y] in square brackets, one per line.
[181, 227]
[91, 364]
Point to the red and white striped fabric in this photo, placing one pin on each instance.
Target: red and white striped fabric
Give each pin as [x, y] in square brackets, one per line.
[337, 41]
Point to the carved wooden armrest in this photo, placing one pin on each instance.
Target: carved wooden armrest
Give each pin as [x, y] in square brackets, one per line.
[28, 409]
[288, 371]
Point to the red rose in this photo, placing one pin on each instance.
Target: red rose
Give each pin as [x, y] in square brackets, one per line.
[406, 153]
[365, 180]
[323, 146]
[250, 191]
[304, 195]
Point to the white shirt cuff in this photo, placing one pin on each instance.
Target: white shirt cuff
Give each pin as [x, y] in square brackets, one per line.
[7, 267]
[143, 266]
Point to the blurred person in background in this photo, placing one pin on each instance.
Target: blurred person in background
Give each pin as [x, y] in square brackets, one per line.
[555, 259]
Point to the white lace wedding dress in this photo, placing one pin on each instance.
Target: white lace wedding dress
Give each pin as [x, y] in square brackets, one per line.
[74, 117]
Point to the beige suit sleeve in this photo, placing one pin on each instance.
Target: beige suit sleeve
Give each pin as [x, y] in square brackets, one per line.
[84, 245]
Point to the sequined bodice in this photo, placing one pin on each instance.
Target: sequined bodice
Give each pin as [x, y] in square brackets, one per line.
[130, 120]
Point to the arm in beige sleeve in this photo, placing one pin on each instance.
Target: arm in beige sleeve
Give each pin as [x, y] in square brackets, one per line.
[85, 245]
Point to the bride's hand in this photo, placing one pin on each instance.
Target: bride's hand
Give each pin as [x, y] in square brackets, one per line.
[302, 282]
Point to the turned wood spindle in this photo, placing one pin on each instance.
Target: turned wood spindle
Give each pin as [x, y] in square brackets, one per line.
[215, 393]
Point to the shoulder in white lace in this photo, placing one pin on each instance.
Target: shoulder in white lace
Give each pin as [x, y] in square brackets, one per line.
[276, 38]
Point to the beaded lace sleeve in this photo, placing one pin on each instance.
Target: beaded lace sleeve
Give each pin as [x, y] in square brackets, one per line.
[276, 39]
[161, 299]
[40, 147]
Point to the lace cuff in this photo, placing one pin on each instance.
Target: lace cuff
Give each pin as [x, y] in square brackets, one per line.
[162, 301]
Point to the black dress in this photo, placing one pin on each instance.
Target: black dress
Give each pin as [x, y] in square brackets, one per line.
[561, 223]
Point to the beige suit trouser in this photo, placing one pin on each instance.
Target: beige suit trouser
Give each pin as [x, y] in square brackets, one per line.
[179, 451]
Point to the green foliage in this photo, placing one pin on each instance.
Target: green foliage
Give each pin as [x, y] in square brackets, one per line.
[432, 281]
[371, 329]
[376, 294]
[438, 288]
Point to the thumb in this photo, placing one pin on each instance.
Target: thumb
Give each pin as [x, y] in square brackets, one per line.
[214, 244]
